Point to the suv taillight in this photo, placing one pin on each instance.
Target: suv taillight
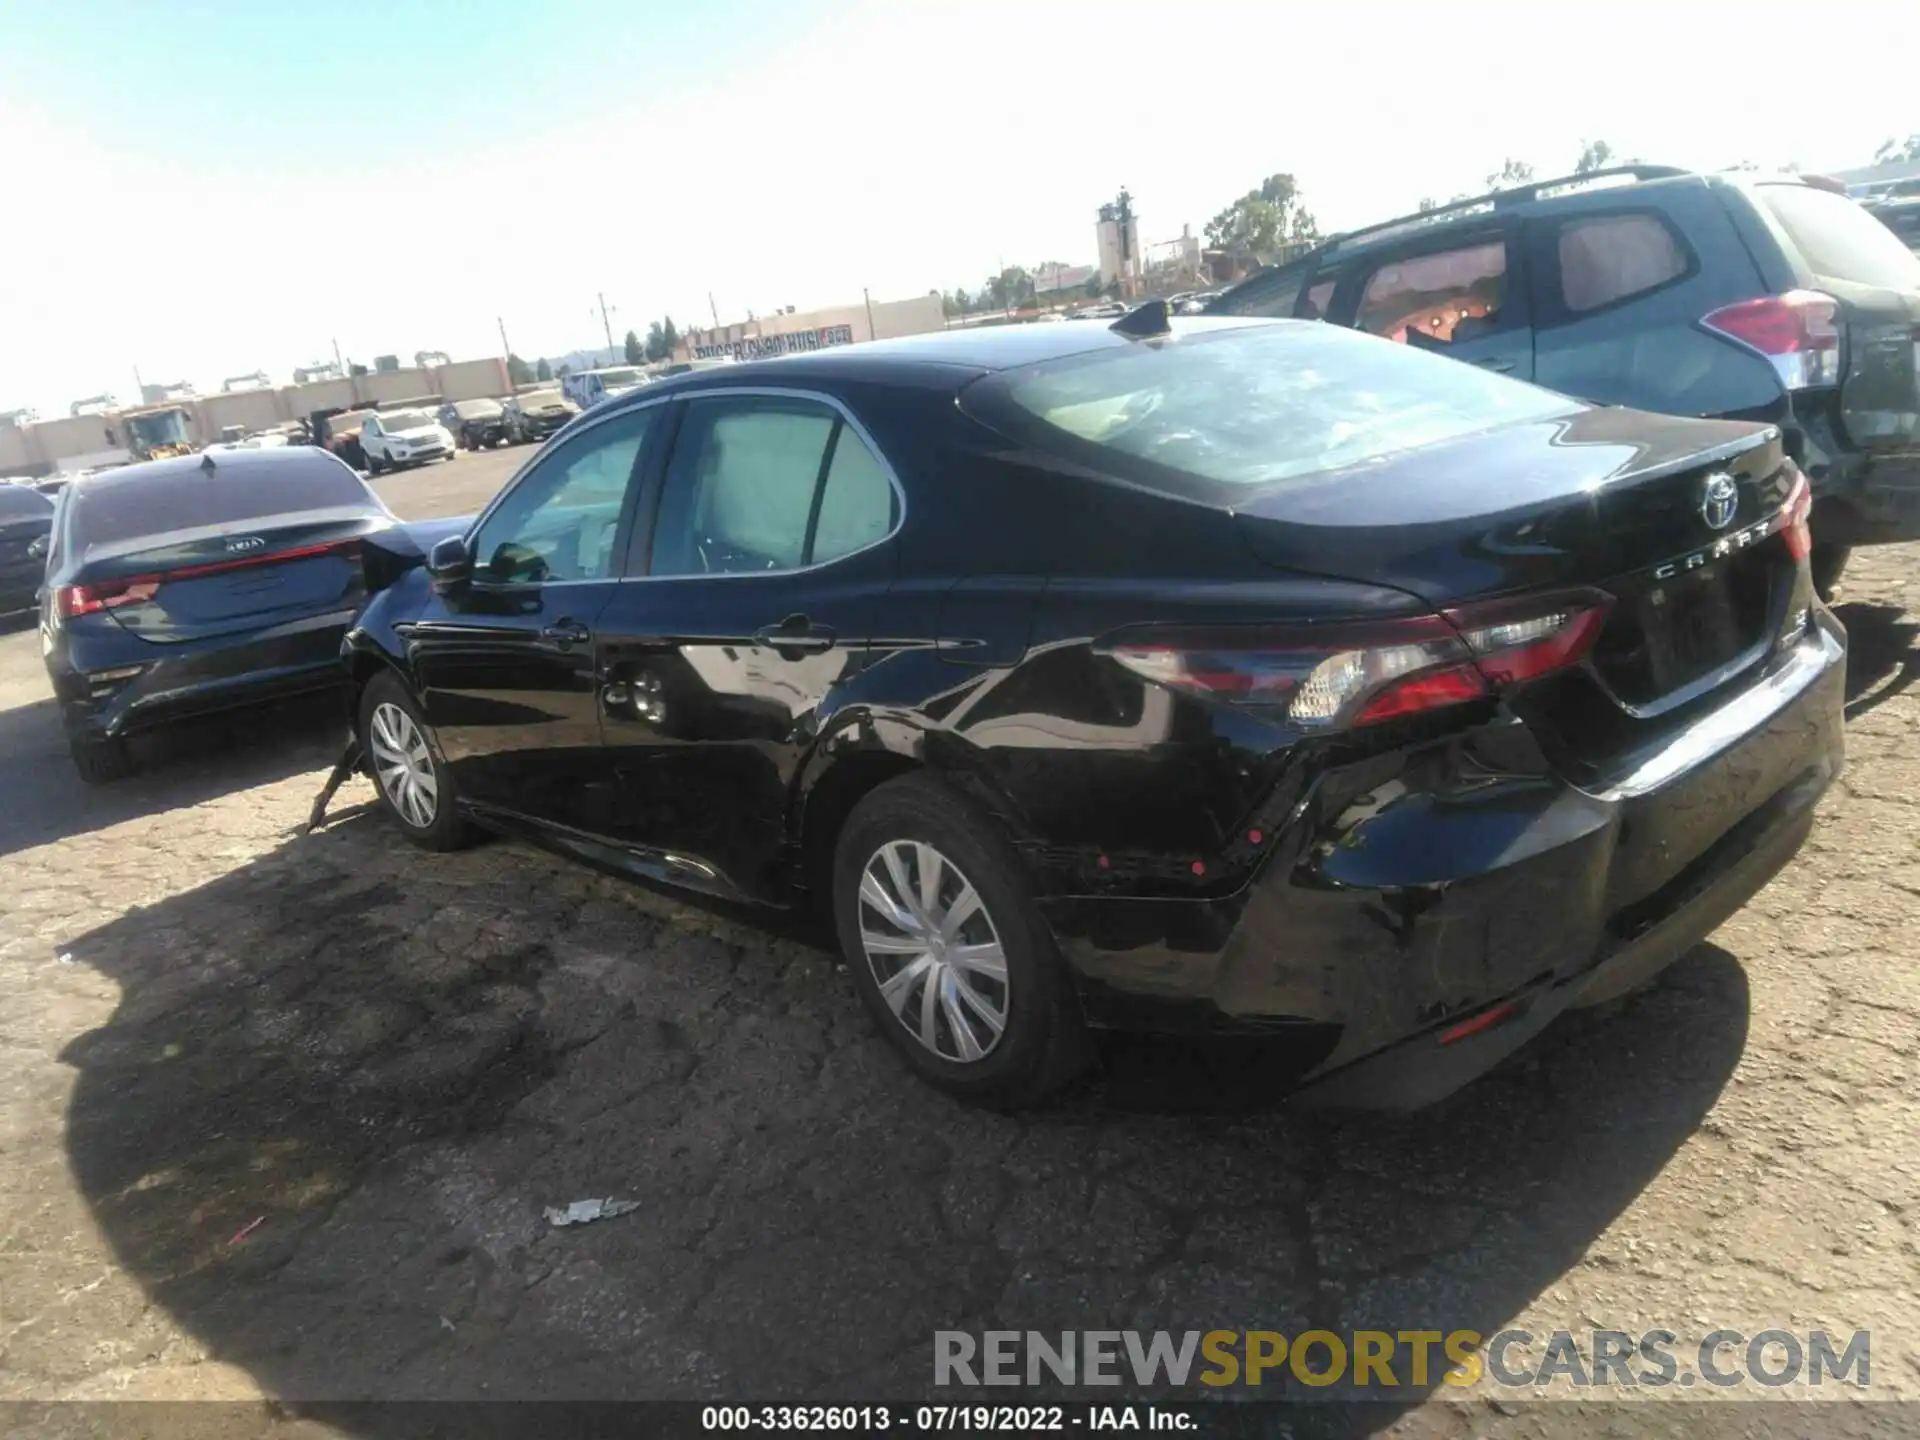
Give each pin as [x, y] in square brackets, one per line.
[1798, 332]
[1331, 676]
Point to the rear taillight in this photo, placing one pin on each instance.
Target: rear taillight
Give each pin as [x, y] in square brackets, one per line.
[71, 600]
[1329, 676]
[1799, 508]
[1798, 332]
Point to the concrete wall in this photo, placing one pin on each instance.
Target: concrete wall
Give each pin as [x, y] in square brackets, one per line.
[819, 329]
[251, 409]
[38, 448]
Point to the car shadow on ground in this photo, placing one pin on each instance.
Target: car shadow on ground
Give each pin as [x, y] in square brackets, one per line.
[343, 1081]
[1882, 657]
[185, 765]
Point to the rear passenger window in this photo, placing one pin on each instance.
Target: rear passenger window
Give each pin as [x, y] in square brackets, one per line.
[1439, 299]
[1840, 240]
[1272, 295]
[1615, 257]
[857, 506]
[1319, 300]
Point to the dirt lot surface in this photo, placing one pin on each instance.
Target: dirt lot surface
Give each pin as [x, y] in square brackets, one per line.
[279, 1114]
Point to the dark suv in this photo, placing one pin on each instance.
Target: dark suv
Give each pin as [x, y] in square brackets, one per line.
[1731, 296]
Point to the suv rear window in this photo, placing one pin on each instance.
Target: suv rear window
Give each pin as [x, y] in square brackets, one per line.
[134, 506]
[1252, 405]
[1838, 239]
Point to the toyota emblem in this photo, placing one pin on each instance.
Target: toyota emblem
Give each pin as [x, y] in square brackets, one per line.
[1719, 500]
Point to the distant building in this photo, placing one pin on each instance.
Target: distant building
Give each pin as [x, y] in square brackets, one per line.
[14, 419]
[790, 332]
[93, 405]
[313, 374]
[1118, 236]
[385, 364]
[256, 381]
[1052, 279]
[167, 390]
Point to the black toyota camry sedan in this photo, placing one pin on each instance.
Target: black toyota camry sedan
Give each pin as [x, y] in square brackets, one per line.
[1206, 676]
[185, 586]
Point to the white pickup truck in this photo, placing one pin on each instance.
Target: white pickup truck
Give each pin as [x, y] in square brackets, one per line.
[397, 438]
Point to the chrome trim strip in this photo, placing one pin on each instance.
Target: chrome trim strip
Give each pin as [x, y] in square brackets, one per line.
[1720, 729]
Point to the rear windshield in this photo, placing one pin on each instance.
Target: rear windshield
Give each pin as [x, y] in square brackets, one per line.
[1254, 405]
[20, 502]
[131, 506]
[1838, 239]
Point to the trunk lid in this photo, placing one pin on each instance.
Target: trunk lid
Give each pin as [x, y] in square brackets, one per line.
[195, 584]
[1676, 520]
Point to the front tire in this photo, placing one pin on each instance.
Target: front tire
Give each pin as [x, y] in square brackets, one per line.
[948, 950]
[101, 761]
[408, 769]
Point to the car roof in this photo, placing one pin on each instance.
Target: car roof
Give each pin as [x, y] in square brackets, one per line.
[950, 357]
[238, 465]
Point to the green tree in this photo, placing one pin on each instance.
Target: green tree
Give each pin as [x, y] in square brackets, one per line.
[543, 371]
[1594, 155]
[656, 347]
[1896, 150]
[518, 371]
[632, 347]
[1511, 173]
[1264, 221]
[1427, 202]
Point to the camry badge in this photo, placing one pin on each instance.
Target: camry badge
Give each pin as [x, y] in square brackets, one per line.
[1719, 500]
[245, 542]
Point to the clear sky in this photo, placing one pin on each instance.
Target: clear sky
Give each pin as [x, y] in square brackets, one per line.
[204, 187]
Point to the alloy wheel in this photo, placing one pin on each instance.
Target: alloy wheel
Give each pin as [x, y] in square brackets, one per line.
[405, 765]
[933, 950]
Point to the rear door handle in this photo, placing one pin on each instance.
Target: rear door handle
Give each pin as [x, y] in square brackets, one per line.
[565, 633]
[797, 635]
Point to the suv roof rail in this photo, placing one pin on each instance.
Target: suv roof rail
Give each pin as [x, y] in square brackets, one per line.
[1496, 200]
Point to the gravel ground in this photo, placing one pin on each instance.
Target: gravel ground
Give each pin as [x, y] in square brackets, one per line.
[279, 1113]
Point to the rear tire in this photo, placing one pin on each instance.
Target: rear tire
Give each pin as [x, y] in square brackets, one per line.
[404, 758]
[101, 762]
[1826, 563]
[983, 1009]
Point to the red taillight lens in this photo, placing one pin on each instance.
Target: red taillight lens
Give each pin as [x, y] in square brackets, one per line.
[71, 600]
[1320, 677]
[1798, 332]
[74, 600]
[1799, 508]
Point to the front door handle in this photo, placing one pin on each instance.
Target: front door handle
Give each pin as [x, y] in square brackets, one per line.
[566, 633]
[1503, 366]
[796, 635]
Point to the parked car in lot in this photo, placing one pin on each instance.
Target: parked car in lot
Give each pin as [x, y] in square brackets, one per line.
[1204, 675]
[587, 388]
[1896, 205]
[26, 516]
[398, 439]
[1770, 299]
[338, 432]
[180, 587]
[536, 415]
[474, 424]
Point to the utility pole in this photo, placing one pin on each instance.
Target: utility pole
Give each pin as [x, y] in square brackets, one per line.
[713, 310]
[338, 363]
[606, 324]
[506, 350]
[139, 387]
[872, 334]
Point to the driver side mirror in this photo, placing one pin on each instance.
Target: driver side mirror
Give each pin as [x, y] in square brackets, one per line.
[450, 565]
[37, 547]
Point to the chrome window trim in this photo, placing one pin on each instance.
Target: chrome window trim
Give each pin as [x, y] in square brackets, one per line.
[848, 418]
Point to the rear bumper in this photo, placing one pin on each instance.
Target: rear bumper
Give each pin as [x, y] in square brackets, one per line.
[178, 682]
[1452, 892]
